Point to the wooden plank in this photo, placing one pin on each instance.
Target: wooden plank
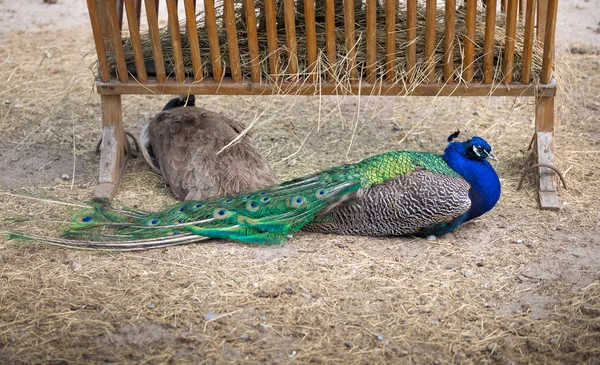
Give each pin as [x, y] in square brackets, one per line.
[192, 30]
[509, 41]
[311, 38]
[371, 65]
[549, 41]
[390, 40]
[488, 42]
[272, 43]
[210, 19]
[136, 41]
[117, 42]
[330, 39]
[98, 40]
[411, 34]
[157, 55]
[528, 42]
[469, 42]
[175, 40]
[350, 37]
[544, 128]
[112, 157]
[232, 41]
[252, 40]
[228, 87]
[449, 33]
[120, 13]
[290, 36]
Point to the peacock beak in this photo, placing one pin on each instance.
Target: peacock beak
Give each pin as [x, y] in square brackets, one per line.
[491, 155]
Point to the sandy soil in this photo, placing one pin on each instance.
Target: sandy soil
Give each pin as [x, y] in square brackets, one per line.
[518, 285]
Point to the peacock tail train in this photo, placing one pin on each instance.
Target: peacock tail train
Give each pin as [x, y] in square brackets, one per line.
[410, 192]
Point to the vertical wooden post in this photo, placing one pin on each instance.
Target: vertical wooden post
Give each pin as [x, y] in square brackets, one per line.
[176, 40]
[213, 39]
[544, 116]
[430, 31]
[371, 41]
[157, 55]
[311, 38]
[528, 43]
[192, 30]
[97, 29]
[252, 41]
[509, 41]
[290, 36]
[272, 43]
[232, 41]
[112, 157]
[136, 42]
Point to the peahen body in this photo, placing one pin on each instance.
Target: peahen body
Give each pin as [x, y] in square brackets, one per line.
[185, 144]
[395, 193]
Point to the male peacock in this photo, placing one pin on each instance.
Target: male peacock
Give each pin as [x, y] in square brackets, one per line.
[186, 145]
[395, 193]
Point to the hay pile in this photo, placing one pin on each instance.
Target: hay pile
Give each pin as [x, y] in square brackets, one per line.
[342, 64]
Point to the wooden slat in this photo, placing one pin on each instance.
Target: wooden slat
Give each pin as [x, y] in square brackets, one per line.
[98, 40]
[544, 128]
[290, 36]
[488, 42]
[469, 42]
[138, 10]
[528, 42]
[430, 31]
[350, 37]
[157, 55]
[115, 32]
[176, 40]
[136, 42]
[213, 39]
[272, 43]
[311, 38]
[330, 38]
[120, 13]
[411, 34]
[192, 30]
[509, 41]
[232, 41]
[252, 40]
[503, 5]
[449, 32]
[549, 41]
[228, 87]
[371, 41]
[390, 40]
[542, 12]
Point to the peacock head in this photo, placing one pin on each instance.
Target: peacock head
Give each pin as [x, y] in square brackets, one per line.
[476, 148]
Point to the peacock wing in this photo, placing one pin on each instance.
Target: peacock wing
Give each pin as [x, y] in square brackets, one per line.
[403, 205]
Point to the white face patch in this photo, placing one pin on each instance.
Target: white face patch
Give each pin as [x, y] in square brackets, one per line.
[475, 150]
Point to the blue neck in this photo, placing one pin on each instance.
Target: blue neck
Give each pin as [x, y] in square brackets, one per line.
[485, 184]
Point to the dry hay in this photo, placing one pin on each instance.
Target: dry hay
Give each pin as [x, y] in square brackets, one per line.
[340, 70]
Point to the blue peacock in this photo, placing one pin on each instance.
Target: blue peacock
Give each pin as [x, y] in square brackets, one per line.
[392, 194]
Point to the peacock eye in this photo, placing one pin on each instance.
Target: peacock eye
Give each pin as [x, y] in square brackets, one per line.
[479, 150]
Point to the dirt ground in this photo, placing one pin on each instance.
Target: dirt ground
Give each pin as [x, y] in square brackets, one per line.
[519, 285]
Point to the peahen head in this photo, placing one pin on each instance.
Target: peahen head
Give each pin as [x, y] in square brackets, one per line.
[181, 100]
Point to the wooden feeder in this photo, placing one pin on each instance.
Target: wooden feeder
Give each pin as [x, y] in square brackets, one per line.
[372, 62]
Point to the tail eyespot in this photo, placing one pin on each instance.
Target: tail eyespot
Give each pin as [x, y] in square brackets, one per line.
[297, 202]
[221, 213]
[153, 222]
[252, 206]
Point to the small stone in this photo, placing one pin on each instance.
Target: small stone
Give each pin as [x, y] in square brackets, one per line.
[171, 273]
[468, 273]
[191, 346]
[262, 328]
[306, 296]
[65, 177]
[348, 344]
[30, 214]
[245, 337]
[475, 113]
[12, 339]
[379, 338]
[431, 238]
[76, 266]
[210, 316]
[212, 283]
[151, 306]
[519, 242]
[18, 106]
[396, 128]
[292, 354]
[255, 285]
[262, 318]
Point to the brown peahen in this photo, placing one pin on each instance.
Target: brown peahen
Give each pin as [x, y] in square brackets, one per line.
[183, 143]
